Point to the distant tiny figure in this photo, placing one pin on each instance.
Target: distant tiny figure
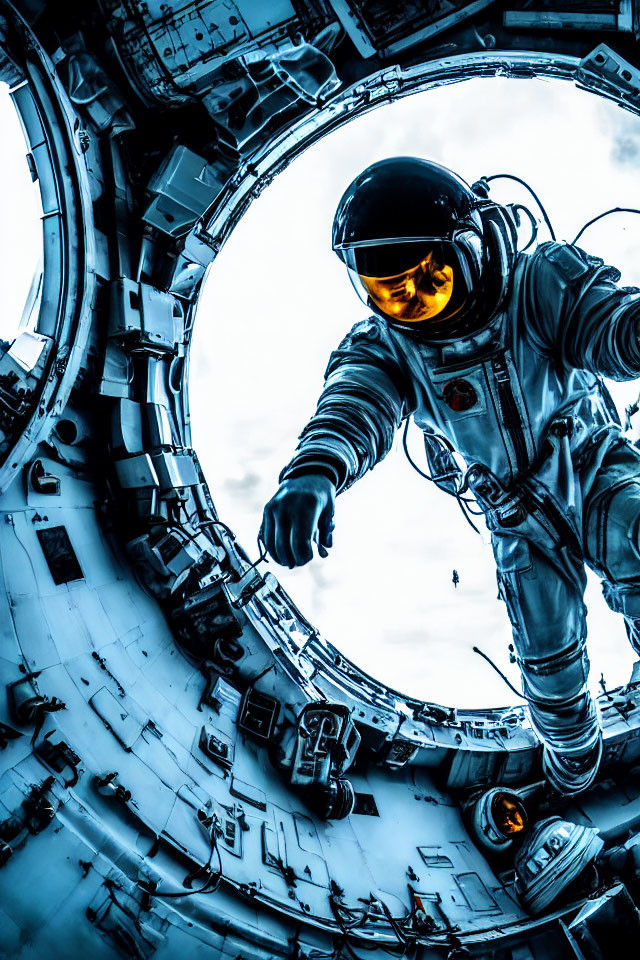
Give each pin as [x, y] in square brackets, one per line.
[455, 579]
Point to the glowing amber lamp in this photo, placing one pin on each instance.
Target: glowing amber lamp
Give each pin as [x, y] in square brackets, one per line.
[508, 814]
[418, 294]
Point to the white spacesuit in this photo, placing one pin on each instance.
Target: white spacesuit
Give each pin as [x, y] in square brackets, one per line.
[511, 381]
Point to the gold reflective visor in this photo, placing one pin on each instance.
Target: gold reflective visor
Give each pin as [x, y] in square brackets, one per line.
[417, 294]
[508, 813]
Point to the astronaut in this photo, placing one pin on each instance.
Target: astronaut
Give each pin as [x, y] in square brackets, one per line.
[498, 355]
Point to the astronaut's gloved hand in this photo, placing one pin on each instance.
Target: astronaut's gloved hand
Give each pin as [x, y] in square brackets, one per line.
[300, 512]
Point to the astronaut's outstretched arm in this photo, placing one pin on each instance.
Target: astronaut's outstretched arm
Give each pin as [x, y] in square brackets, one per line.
[367, 393]
[579, 315]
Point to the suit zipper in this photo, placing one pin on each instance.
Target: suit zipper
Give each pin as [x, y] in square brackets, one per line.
[509, 412]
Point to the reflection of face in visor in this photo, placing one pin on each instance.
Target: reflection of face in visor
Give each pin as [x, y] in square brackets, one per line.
[420, 293]
[429, 285]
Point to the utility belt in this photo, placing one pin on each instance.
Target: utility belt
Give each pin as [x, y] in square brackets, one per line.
[501, 507]
[524, 499]
[505, 508]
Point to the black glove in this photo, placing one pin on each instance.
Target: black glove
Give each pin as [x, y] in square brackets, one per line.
[300, 512]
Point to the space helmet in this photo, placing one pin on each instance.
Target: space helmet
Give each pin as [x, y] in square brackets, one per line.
[555, 853]
[424, 250]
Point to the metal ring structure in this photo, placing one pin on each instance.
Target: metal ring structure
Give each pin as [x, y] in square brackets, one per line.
[186, 764]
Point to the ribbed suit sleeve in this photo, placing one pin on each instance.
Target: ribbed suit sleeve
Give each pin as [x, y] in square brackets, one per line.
[367, 393]
[578, 315]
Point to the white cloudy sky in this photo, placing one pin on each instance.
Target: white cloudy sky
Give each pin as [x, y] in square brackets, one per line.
[276, 303]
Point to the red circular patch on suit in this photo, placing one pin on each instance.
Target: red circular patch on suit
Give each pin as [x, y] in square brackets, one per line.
[460, 395]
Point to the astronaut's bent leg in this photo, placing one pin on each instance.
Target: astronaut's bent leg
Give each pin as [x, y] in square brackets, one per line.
[612, 534]
[544, 598]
